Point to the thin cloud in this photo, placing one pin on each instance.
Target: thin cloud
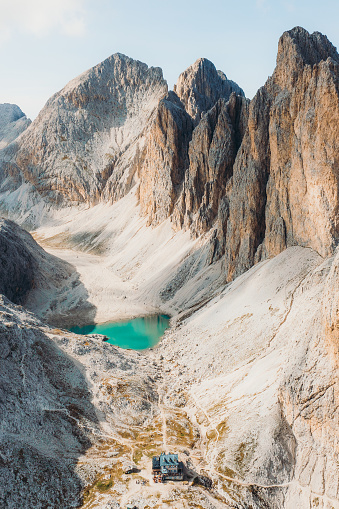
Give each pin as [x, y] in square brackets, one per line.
[289, 6]
[266, 5]
[263, 5]
[41, 17]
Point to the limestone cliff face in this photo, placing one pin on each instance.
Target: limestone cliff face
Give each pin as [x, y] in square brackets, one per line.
[84, 145]
[166, 159]
[201, 86]
[265, 175]
[191, 149]
[285, 179]
[212, 152]
[12, 123]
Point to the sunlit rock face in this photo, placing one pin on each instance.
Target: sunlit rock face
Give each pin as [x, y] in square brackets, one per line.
[264, 175]
[244, 385]
[285, 178]
[12, 123]
[166, 159]
[84, 144]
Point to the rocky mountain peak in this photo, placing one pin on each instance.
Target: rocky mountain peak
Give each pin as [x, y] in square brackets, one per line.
[111, 77]
[297, 48]
[13, 122]
[311, 48]
[110, 88]
[201, 86]
[84, 144]
[9, 113]
[285, 177]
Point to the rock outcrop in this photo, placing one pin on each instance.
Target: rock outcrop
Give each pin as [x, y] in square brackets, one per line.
[285, 178]
[17, 263]
[86, 141]
[191, 149]
[12, 123]
[41, 282]
[265, 175]
[166, 159]
[212, 152]
[201, 86]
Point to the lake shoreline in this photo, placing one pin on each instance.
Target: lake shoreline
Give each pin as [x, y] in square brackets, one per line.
[140, 333]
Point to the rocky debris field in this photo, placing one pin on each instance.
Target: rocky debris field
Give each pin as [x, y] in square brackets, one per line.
[219, 389]
[200, 204]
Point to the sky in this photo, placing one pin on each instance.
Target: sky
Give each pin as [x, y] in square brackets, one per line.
[46, 43]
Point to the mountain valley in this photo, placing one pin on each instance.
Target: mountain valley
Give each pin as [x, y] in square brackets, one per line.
[124, 199]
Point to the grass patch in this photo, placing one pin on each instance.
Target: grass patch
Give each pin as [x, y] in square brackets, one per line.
[103, 483]
[180, 431]
[106, 485]
[137, 455]
[225, 470]
[244, 454]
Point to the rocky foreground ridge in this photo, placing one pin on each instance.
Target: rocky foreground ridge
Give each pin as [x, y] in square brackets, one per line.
[242, 198]
[37, 280]
[245, 390]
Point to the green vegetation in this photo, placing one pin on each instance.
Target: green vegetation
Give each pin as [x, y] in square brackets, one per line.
[105, 485]
[179, 430]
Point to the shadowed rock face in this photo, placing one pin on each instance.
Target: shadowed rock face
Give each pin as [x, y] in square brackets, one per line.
[42, 282]
[17, 263]
[24, 265]
[212, 152]
[191, 148]
[84, 144]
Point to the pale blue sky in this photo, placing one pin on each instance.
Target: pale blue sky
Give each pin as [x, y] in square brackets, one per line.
[45, 43]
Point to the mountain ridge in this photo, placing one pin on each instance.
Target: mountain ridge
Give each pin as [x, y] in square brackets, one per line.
[156, 145]
[224, 216]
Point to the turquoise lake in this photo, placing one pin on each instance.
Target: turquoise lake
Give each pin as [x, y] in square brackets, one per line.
[138, 334]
